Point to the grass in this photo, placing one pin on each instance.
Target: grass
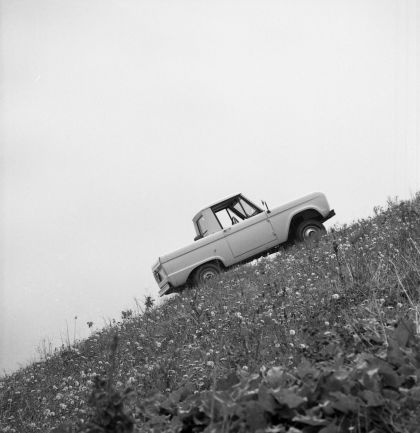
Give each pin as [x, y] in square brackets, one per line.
[317, 338]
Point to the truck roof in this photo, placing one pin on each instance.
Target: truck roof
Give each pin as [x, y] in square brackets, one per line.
[213, 204]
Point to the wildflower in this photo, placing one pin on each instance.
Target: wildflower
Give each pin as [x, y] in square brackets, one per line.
[292, 332]
[335, 296]
[326, 323]
[48, 412]
[210, 363]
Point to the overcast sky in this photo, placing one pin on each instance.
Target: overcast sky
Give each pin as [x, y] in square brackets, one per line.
[121, 119]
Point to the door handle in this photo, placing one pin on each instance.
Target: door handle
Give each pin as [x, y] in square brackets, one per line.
[227, 230]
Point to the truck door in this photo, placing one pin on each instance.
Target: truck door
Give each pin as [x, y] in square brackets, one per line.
[247, 237]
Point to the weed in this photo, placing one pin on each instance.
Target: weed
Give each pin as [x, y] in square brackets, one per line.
[319, 339]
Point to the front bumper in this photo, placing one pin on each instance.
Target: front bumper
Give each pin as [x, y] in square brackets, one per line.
[165, 289]
[330, 214]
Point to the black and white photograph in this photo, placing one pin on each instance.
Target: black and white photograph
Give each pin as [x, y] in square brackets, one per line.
[209, 216]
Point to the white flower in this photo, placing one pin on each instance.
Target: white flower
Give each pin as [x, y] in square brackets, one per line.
[292, 332]
[335, 296]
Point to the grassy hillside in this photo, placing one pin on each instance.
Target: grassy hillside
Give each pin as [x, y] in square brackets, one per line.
[317, 338]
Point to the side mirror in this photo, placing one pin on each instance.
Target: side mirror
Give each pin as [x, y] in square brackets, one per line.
[264, 203]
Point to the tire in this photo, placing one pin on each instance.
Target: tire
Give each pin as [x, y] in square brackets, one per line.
[206, 272]
[309, 230]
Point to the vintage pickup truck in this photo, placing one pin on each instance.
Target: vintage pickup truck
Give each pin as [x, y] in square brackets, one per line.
[235, 230]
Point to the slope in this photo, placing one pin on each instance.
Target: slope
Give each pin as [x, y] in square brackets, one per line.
[317, 338]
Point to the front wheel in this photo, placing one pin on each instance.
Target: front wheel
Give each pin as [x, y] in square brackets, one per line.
[309, 230]
[206, 272]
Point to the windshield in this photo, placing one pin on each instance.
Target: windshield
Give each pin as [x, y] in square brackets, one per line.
[243, 207]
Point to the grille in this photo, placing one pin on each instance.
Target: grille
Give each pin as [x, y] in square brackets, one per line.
[157, 276]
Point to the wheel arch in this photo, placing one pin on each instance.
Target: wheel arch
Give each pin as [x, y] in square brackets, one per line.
[301, 216]
[216, 261]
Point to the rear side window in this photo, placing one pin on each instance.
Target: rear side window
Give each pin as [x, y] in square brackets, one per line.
[202, 226]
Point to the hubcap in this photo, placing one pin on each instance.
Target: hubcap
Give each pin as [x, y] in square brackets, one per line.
[310, 233]
[208, 275]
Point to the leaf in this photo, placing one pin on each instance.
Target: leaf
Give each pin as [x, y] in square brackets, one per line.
[254, 414]
[310, 420]
[227, 382]
[390, 394]
[344, 403]
[403, 332]
[415, 393]
[274, 377]
[395, 354]
[276, 429]
[390, 378]
[305, 371]
[330, 383]
[266, 400]
[331, 428]
[288, 398]
[372, 399]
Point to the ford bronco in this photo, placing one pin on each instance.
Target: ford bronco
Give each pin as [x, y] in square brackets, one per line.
[235, 230]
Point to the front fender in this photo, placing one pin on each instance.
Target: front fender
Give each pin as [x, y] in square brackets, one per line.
[181, 276]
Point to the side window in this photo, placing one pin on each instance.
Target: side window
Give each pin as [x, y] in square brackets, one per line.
[202, 226]
[227, 218]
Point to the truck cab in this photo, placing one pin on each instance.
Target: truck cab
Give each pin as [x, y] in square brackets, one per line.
[224, 214]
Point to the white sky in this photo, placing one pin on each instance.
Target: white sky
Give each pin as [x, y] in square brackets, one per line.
[121, 119]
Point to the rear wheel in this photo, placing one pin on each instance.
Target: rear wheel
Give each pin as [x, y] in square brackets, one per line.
[309, 230]
[206, 272]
